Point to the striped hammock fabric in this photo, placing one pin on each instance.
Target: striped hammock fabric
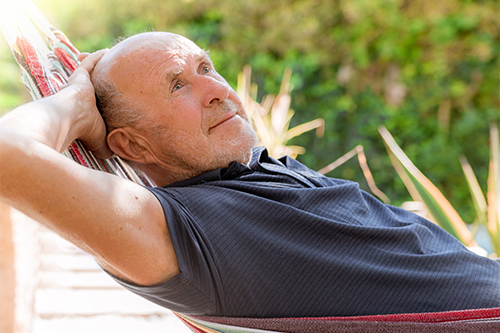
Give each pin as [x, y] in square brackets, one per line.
[45, 69]
[480, 320]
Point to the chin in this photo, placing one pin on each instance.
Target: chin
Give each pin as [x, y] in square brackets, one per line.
[246, 150]
[240, 152]
[246, 158]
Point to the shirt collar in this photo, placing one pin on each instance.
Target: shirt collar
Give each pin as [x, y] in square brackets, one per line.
[235, 169]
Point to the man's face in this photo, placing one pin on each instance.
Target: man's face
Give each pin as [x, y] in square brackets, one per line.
[194, 119]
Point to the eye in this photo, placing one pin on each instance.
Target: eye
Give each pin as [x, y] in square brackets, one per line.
[176, 86]
[205, 70]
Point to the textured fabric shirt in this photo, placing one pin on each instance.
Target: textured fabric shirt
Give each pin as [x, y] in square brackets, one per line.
[276, 239]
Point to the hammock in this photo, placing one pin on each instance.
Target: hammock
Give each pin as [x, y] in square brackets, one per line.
[481, 320]
[44, 71]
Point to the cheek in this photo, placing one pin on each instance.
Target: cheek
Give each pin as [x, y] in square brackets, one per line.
[188, 110]
[189, 120]
[187, 117]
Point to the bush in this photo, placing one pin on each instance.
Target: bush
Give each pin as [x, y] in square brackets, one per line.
[427, 70]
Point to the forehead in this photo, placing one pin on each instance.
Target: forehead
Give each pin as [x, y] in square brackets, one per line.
[151, 47]
[144, 56]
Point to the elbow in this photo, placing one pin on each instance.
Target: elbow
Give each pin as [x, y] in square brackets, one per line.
[152, 273]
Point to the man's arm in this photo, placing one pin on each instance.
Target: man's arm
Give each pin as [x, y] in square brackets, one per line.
[118, 222]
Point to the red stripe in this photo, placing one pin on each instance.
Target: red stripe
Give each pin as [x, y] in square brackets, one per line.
[101, 163]
[62, 37]
[65, 59]
[429, 317]
[34, 64]
[446, 316]
[81, 160]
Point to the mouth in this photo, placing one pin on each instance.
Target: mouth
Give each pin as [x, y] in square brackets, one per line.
[227, 117]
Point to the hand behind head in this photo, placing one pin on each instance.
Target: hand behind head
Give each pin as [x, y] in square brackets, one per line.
[92, 129]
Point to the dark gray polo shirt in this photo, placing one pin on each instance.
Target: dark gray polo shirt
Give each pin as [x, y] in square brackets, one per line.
[276, 239]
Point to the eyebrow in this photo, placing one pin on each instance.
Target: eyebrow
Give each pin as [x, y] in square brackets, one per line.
[178, 71]
[206, 54]
[173, 74]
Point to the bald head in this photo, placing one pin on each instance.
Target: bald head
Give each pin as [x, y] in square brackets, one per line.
[117, 74]
[148, 40]
[168, 110]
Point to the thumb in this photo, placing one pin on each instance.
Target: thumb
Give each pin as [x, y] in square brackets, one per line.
[83, 55]
[89, 61]
[98, 147]
[103, 152]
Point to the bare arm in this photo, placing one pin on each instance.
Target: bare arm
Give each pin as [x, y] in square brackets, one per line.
[120, 223]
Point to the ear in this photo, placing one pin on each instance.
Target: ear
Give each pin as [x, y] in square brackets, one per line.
[127, 144]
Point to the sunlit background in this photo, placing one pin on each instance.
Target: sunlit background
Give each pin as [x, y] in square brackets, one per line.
[427, 70]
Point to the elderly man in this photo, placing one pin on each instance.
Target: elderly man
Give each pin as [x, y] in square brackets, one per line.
[228, 231]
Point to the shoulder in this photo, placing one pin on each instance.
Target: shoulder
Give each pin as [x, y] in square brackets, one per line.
[313, 176]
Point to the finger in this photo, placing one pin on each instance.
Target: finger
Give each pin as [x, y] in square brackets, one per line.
[100, 149]
[103, 152]
[91, 60]
[83, 55]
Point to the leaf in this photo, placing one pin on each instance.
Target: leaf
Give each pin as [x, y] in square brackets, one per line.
[493, 195]
[338, 162]
[279, 112]
[477, 195]
[319, 124]
[281, 105]
[438, 206]
[271, 118]
[358, 150]
[368, 175]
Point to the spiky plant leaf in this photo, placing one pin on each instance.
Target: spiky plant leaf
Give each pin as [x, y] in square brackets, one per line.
[438, 206]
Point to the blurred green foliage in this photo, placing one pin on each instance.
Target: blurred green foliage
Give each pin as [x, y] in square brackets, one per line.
[427, 70]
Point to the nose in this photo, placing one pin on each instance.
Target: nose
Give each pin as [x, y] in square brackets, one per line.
[216, 90]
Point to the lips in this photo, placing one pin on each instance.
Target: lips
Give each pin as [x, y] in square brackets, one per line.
[225, 118]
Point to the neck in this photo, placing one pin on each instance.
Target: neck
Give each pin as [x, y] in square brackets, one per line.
[161, 176]
[164, 174]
